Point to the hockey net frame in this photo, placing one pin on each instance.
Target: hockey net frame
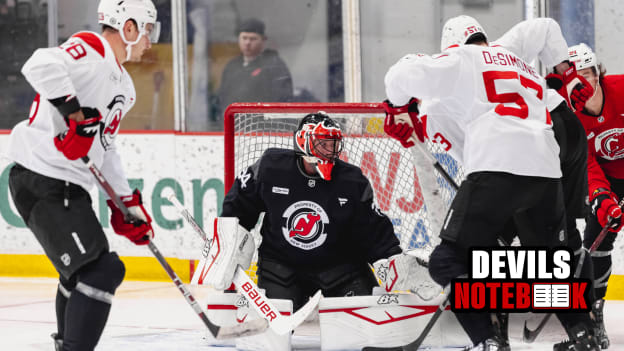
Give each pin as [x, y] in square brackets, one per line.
[250, 128]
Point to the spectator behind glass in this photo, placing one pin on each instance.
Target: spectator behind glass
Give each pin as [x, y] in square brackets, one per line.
[257, 74]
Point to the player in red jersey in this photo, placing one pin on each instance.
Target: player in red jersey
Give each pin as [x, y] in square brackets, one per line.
[601, 116]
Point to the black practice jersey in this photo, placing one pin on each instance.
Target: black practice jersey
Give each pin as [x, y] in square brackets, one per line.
[310, 222]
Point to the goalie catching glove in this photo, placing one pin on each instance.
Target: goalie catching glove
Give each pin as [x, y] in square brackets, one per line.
[137, 229]
[402, 122]
[231, 246]
[407, 271]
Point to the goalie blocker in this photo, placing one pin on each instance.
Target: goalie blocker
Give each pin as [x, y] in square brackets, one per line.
[230, 247]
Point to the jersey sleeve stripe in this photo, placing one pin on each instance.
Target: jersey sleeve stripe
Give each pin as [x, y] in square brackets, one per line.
[92, 40]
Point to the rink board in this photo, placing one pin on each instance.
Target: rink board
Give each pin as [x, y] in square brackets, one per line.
[192, 165]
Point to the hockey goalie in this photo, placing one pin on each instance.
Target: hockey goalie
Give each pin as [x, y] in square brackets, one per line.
[321, 230]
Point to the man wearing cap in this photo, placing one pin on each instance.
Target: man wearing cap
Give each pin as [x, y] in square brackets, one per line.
[257, 74]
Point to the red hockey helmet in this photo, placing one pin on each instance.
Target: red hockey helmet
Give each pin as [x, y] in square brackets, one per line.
[318, 139]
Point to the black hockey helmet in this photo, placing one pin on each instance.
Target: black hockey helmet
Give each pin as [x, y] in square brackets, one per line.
[318, 139]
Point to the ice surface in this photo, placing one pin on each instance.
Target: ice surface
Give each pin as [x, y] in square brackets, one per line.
[154, 316]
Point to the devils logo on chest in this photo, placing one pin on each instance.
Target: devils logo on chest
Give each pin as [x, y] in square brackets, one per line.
[305, 224]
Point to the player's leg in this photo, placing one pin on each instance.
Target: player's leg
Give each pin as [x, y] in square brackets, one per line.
[602, 264]
[280, 281]
[570, 135]
[89, 305]
[63, 292]
[601, 257]
[541, 225]
[62, 219]
[484, 204]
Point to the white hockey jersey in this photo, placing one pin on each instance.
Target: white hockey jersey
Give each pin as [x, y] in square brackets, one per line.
[490, 106]
[538, 38]
[84, 66]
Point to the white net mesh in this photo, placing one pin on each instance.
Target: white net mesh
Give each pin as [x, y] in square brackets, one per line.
[388, 165]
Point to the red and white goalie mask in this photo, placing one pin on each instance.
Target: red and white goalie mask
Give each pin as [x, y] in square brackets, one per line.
[318, 139]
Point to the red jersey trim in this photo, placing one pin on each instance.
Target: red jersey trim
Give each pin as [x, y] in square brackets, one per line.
[92, 40]
[451, 46]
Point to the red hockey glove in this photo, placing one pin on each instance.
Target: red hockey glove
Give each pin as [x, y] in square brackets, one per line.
[76, 141]
[604, 205]
[578, 95]
[140, 231]
[581, 93]
[402, 122]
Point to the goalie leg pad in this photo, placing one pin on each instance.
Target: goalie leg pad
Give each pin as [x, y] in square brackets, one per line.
[231, 246]
[269, 340]
[349, 323]
[227, 309]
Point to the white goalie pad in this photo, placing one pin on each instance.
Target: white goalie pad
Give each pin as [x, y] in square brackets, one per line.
[230, 309]
[407, 271]
[231, 246]
[387, 320]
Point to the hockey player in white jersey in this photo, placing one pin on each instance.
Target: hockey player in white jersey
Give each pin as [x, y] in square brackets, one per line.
[492, 117]
[83, 92]
[542, 38]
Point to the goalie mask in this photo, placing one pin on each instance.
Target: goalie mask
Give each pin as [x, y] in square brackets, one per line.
[318, 139]
[459, 30]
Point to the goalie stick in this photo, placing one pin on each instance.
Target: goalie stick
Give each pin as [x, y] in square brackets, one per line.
[219, 332]
[529, 335]
[280, 324]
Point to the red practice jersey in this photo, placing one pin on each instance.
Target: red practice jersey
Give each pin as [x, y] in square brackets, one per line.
[605, 135]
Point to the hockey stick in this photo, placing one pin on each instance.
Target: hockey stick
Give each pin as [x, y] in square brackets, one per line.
[243, 329]
[421, 147]
[278, 323]
[529, 335]
[414, 345]
[425, 165]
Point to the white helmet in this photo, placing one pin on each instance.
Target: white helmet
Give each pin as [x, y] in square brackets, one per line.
[115, 13]
[458, 30]
[583, 57]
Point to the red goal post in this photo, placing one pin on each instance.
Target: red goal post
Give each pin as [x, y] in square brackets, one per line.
[251, 128]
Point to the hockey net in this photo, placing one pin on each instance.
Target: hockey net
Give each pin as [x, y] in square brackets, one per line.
[251, 128]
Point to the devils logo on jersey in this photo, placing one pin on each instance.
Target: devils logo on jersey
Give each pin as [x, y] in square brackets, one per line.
[110, 124]
[305, 225]
[610, 144]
